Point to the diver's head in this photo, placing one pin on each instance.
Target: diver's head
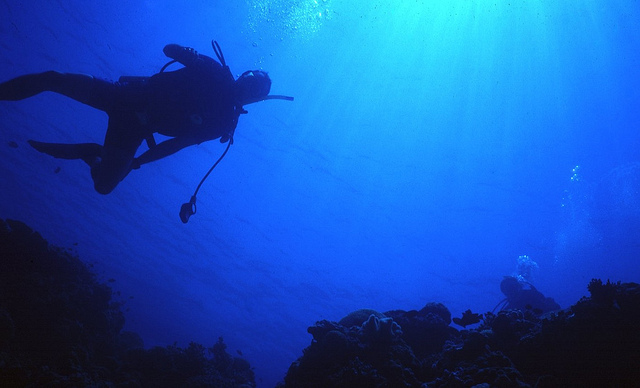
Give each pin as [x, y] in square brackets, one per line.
[510, 286]
[252, 86]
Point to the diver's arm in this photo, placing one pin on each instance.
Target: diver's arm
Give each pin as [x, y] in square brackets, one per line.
[164, 149]
[185, 55]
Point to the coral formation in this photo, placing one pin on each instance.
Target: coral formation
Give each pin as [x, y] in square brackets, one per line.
[424, 330]
[60, 327]
[594, 343]
[355, 318]
[370, 355]
[379, 330]
[468, 318]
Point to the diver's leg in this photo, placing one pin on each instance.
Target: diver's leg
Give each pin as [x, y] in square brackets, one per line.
[22, 87]
[120, 145]
[84, 88]
[90, 153]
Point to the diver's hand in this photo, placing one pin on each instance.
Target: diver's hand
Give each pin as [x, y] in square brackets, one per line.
[184, 55]
[172, 50]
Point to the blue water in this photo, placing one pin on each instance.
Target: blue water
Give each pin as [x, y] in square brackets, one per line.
[430, 144]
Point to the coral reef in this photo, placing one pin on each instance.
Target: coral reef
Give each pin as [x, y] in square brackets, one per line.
[594, 343]
[355, 318]
[379, 330]
[468, 318]
[425, 330]
[371, 355]
[59, 327]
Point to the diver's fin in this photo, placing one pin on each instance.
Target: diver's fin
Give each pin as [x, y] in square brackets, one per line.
[88, 152]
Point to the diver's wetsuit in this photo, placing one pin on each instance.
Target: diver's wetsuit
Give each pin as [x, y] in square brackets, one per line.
[521, 298]
[191, 105]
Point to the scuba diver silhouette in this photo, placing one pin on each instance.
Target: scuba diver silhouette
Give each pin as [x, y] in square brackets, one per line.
[522, 295]
[199, 102]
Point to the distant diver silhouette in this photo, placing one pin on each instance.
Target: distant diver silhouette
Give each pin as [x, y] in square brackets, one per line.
[522, 295]
[199, 102]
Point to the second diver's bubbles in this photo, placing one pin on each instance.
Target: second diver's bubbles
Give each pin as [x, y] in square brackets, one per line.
[576, 174]
[525, 269]
[575, 231]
